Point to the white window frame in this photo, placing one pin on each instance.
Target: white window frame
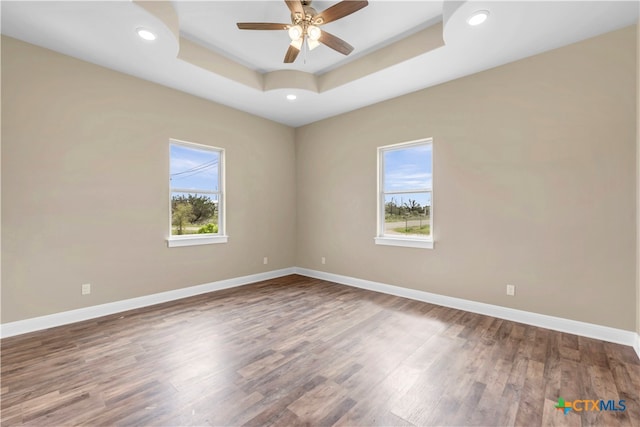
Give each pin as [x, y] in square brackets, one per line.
[201, 239]
[394, 240]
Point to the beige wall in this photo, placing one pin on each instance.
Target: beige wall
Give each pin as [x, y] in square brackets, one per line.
[85, 186]
[534, 185]
[638, 177]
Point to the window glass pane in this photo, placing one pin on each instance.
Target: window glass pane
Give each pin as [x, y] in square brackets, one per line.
[194, 168]
[193, 213]
[407, 168]
[407, 214]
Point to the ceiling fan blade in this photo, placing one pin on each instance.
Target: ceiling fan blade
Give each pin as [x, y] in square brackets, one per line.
[335, 43]
[339, 10]
[291, 55]
[262, 26]
[295, 6]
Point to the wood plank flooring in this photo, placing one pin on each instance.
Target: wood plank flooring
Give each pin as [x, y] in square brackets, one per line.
[300, 351]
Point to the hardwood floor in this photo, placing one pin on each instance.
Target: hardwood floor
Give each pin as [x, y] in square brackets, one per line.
[295, 350]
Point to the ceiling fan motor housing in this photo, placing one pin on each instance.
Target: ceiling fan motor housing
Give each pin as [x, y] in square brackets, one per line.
[309, 14]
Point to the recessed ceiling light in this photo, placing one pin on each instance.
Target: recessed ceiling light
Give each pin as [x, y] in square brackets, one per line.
[478, 17]
[146, 34]
[291, 97]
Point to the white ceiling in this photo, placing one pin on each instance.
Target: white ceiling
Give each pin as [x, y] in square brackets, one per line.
[104, 33]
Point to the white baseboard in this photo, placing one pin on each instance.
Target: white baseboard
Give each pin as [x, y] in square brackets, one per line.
[72, 316]
[590, 330]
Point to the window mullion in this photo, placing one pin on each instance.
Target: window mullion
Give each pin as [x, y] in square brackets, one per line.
[193, 191]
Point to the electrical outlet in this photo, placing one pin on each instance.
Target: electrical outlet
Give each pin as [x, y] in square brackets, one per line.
[511, 290]
[86, 288]
[324, 260]
[265, 260]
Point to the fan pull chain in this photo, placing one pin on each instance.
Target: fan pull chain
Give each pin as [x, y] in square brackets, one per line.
[304, 51]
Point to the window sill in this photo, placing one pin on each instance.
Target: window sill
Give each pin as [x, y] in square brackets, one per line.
[174, 242]
[404, 241]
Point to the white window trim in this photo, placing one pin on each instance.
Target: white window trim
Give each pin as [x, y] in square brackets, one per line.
[404, 241]
[193, 240]
[202, 239]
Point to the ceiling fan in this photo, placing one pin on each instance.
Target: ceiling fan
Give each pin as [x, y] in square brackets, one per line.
[305, 25]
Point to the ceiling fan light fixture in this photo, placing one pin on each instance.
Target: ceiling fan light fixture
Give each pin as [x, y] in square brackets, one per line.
[312, 43]
[291, 97]
[145, 34]
[478, 17]
[314, 32]
[295, 32]
[297, 43]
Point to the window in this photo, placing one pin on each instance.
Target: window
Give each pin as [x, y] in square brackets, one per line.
[196, 182]
[405, 194]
